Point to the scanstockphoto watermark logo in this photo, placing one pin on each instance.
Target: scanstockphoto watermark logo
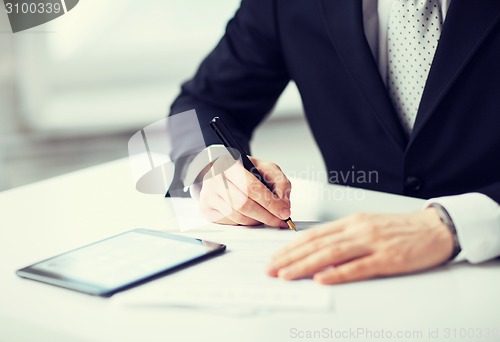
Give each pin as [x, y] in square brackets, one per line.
[472, 334]
[24, 14]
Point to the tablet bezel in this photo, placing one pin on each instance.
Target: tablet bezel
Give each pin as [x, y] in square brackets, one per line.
[57, 279]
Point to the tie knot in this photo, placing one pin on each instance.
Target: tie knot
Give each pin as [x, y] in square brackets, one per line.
[423, 7]
[419, 3]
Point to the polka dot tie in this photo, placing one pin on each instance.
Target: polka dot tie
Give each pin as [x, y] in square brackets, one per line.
[413, 35]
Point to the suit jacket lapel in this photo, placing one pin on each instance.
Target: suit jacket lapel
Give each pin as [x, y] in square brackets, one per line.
[344, 21]
[466, 26]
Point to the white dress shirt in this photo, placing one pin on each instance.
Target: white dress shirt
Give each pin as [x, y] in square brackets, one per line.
[476, 216]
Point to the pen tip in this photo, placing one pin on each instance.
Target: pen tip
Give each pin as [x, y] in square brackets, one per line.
[291, 224]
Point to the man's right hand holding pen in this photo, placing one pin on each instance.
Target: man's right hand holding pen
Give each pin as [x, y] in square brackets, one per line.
[237, 197]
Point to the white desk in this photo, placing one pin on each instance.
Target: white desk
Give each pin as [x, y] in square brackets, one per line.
[46, 218]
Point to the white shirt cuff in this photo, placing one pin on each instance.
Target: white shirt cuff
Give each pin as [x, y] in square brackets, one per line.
[477, 221]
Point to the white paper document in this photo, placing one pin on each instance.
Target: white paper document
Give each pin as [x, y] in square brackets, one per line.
[235, 280]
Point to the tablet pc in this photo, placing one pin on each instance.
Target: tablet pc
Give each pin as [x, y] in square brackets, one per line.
[121, 261]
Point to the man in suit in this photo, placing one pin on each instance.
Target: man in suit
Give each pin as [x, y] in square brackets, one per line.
[409, 88]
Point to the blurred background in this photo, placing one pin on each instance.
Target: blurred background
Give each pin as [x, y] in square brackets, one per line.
[74, 90]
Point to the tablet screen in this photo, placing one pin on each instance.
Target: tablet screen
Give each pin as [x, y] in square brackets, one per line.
[109, 265]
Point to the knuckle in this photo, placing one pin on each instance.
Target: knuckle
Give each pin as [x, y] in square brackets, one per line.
[246, 206]
[370, 230]
[310, 236]
[360, 217]
[267, 200]
[279, 192]
[376, 263]
[369, 227]
[274, 168]
[264, 164]
[380, 267]
[279, 178]
[334, 252]
[256, 161]
[269, 164]
[360, 267]
[254, 188]
[284, 186]
[399, 259]
[315, 245]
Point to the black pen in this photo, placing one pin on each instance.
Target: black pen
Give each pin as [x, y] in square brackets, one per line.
[228, 139]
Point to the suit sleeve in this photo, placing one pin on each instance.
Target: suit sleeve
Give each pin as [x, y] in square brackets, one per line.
[492, 191]
[240, 80]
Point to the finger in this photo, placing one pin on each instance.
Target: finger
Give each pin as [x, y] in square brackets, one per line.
[355, 270]
[244, 209]
[282, 260]
[216, 209]
[329, 256]
[223, 206]
[258, 192]
[218, 193]
[275, 178]
[216, 216]
[318, 232]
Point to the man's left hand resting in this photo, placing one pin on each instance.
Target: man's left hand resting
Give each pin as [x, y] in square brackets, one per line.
[365, 246]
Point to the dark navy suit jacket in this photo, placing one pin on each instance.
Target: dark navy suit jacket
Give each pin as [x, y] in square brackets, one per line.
[321, 45]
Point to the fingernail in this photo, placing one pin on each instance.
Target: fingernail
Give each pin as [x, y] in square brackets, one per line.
[284, 273]
[284, 225]
[284, 213]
